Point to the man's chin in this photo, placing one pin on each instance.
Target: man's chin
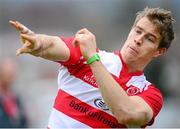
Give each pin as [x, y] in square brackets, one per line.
[131, 57]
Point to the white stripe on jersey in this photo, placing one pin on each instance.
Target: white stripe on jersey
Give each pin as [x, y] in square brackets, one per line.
[139, 82]
[111, 61]
[60, 120]
[85, 92]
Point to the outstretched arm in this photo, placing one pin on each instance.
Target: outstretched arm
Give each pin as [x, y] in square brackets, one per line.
[41, 45]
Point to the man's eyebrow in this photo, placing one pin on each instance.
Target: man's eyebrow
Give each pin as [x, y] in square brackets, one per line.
[147, 32]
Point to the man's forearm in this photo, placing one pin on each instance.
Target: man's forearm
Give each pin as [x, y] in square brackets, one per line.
[115, 97]
[53, 48]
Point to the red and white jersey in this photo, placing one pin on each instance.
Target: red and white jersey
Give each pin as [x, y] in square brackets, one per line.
[79, 103]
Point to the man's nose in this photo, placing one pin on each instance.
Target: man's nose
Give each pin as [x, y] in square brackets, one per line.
[139, 40]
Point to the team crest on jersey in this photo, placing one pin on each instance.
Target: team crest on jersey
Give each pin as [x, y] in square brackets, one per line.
[132, 90]
[100, 104]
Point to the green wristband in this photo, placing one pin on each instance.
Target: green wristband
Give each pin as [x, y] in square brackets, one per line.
[92, 59]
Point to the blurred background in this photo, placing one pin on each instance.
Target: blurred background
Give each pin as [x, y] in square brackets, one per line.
[110, 21]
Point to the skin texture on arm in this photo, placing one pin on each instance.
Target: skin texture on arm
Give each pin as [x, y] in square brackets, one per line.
[130, 111]
[41, 45]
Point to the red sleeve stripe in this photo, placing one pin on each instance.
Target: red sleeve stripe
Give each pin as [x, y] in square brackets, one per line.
[75, 53]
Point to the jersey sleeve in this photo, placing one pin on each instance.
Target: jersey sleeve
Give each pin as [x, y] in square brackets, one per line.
[153, 97]
[75, 52]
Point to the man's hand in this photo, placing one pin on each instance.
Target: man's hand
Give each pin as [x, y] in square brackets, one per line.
[45, 46]
[30, 40]
[87, 42]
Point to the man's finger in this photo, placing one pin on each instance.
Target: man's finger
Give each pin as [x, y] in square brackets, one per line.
[23, 50]
[16, 25]
[83, 31]
[12, 23]
[27, 44]
[20, 27]
[77, 39]
[23, 29]
[79, 36]
[26, 48]
[29, 38]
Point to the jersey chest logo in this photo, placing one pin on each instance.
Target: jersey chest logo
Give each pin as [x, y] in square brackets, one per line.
[132, 90]
[100, 104]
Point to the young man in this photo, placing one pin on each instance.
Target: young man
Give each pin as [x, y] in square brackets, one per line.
[98, 89]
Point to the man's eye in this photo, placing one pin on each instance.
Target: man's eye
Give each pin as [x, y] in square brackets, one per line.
[138, 31]
[150, 39]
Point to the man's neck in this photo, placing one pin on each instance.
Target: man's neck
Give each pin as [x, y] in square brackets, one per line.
[134, 66]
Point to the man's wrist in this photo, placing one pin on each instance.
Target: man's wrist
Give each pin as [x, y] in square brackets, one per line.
[93, 58]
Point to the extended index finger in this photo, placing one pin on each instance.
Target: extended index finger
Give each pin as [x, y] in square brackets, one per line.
[20, 27]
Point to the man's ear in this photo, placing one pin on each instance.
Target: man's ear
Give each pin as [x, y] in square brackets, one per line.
[160, 52]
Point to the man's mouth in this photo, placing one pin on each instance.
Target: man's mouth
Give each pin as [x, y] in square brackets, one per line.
[134, 49]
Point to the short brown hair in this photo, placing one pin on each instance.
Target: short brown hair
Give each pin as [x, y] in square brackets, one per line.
[163, 20]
